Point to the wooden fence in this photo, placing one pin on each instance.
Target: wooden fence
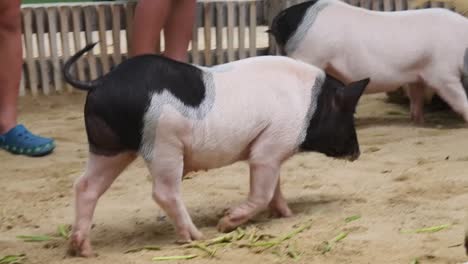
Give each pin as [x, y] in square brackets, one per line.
[224, 31]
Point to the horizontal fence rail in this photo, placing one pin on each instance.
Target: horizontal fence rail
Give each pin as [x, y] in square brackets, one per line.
[224, 31]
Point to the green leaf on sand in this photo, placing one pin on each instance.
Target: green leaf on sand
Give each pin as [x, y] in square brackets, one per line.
[329, 244]
[292, 252]
[133, 250]
[340, 237]
[277, 241]
[13, 259]
[34, 238]
[203, 247]
[183, 257]
[431, 229]
[352, 218]
[64, 231]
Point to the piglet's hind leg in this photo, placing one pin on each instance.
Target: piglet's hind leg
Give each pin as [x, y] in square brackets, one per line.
[166, 169]
[416, 95]
[451, 90]
[101, 171]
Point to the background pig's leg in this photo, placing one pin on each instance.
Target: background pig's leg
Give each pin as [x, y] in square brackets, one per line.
[166, 169]
[454, 94]
[100, 172]
[278, 205]
[416, 96]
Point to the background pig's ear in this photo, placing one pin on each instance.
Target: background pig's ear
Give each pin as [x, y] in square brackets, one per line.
[353, 92]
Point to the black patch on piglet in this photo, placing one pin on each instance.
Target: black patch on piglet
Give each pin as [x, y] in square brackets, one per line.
[104, 140]
[465, 72]
[285, 24]
[331, 130]
[466, 244]
[116, 106]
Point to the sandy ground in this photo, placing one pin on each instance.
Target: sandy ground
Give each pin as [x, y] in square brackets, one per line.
[407, 178]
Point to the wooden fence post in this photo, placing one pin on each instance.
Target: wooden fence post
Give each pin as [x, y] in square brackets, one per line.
[31, 65]
[253, 29]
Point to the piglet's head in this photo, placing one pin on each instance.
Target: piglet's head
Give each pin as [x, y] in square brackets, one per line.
[331, 130]
[286, 23]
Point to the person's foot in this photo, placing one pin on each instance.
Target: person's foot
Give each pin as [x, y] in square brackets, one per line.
[20, 141]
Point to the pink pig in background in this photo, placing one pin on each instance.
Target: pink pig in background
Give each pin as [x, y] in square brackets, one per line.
[424, 49]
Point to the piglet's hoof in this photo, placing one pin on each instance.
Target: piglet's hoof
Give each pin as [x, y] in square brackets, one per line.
[280, 209]
[182, 241]
[280, 212]
[197, 235]
[418, 119]
[229, 222]
[234, 217]
[80, 247]
[188, 236]
[226, 225]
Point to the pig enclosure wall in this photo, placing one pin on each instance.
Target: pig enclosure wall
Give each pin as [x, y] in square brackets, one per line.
[224, 31]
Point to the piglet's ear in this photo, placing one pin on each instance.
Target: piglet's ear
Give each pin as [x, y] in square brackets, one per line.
[352, 93]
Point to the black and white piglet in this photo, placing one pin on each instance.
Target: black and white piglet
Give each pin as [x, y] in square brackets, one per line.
[182, 118]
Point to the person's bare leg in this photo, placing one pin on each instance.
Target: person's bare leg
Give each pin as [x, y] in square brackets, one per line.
[10, 62]
[150, 17]
[13, 137]
[178, 29]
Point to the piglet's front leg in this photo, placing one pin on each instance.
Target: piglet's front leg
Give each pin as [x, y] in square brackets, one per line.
[263, 181]
[265, 161]
[278, 205]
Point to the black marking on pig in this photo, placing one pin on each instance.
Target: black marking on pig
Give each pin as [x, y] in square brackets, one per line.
[466, 244]
[465, 72]
[331, 130]
[115, 108]
[285, 24]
